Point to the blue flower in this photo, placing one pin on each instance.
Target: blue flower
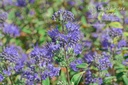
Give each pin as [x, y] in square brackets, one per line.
[125, 62]
[126, 20]
[11, 30]
[104, 63]
[78, 49]
[108, 17]
[21, 3]
[70, 26]
[87, 43]
[74, 64]
[31, 1]
[122, 43]
[88, 77]
[1, 78]
[89, 57]
[7, 72]
[12, 53]
[115, 32]
[44, 75]
[3, 16]
[54, 72]
[66, 15]
[53, 34]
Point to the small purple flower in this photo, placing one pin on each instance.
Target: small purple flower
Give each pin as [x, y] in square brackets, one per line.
[98, 25]
[115, 32]
[7, 2]
[31, 1]
[3, 15]
[11, 30]
[125, 62]
[87, 43]
[7, 72]
[78, 49]
[12, 53]
[53, 34]
[72, 3]
[88, 77]
[99, 81]
[1, 78]
[126, 20]
[74, 64]
[54, 72]
[105, 44]
[122, 43]
[21, 3]
[104, 63]
[66, 15]
[107, 17]
[44, 75]
[89, 57]
[72, 27]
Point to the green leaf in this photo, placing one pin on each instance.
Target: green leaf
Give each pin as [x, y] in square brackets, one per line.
[46, 81]
[109, 79]
[76, 78]
[83, 65]
[126, 34]
[94, 84]
[63, 76]
[115, 25]
[83, 20]
[125, 78]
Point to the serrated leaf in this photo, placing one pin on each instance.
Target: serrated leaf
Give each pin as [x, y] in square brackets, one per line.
[116, 25]
[76, 78]
[125, 78]
[46, 81]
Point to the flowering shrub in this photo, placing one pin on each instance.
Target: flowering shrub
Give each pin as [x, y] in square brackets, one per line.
[67, 54]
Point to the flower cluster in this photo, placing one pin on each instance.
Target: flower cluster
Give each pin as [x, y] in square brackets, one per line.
[13, 59]
[68, 56]
[11, 30]
[63, 15]
[89, 79]
[74, 64]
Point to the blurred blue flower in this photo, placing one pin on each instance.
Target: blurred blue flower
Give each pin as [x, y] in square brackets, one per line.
[7, 72]
[104, 63]
[115, 32]
[122, 43]
[66, 15]
[74, 64]
[21, 3]
[70, 26]
[125, 62]
[1, 78]
[31, 1]
[77, 49]
[126, 21]
[12, 53]
[89, 57]
[88, 77]
[11, 30]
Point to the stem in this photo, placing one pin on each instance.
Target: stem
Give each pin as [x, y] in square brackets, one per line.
[66, 60]
[67, 67]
